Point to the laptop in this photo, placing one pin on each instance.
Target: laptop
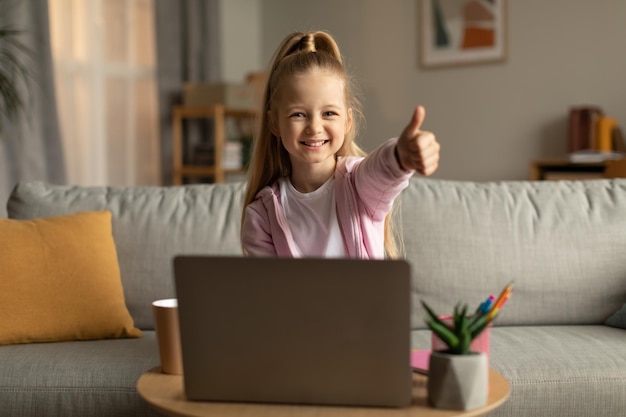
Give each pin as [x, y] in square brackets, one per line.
[297, 331]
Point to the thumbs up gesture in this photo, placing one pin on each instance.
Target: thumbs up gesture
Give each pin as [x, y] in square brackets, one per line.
[417, 149]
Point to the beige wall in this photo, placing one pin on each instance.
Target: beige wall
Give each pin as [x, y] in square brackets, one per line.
[491, 119]
[241, 38]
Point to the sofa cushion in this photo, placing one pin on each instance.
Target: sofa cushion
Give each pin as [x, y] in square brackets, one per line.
[562, 242]
[95, 378]
[556, 370]
[59, 280]
[618, 319]
[150, 226]
[561, 370]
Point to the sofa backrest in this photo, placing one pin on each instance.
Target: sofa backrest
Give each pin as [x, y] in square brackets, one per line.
[150, 226]
[563, 243]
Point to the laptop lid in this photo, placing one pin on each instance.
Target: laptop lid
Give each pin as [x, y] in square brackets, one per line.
[306, 331]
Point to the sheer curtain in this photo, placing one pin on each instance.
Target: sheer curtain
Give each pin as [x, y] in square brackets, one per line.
[105, 66]
[30, 147]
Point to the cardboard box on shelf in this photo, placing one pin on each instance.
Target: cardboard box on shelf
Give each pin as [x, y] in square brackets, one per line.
[232, 96]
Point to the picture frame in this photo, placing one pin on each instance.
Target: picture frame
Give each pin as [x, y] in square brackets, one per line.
[462, 32]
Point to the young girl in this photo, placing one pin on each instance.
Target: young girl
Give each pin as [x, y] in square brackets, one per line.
[311, 190]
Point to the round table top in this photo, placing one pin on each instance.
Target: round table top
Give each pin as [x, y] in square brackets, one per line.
[165, 393]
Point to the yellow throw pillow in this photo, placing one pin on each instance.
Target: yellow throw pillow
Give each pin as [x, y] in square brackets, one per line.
[60, 280]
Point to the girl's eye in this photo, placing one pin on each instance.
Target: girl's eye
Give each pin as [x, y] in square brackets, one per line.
[297, 115]
[329, 114]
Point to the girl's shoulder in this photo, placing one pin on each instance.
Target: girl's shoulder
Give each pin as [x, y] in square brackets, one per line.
[347, 164]
[269, 192]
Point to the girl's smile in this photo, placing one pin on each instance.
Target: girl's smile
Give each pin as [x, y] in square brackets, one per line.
[315, 144]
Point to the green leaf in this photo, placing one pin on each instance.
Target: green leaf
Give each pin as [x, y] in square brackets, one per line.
[478, 323]
[432, 315]
[464, 343]
[480, 326]
[455, 317]
[444, 333]
[462, 324]
[475, 317]
[430, 312]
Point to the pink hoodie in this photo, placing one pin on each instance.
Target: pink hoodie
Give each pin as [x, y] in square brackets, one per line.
[365, 189]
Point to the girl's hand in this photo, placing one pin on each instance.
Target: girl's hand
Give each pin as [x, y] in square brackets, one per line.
[417, 149]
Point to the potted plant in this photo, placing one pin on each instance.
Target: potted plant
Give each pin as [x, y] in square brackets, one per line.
[15, 76]
[458, 376]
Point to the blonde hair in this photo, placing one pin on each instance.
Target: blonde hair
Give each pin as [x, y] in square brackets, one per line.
[300, 53]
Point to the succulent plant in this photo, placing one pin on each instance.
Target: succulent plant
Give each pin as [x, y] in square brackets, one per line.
[458, 334]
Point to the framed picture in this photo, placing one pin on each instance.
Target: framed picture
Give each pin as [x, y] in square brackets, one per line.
[460, 32]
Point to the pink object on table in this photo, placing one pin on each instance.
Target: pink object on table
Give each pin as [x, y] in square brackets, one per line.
[419, 361]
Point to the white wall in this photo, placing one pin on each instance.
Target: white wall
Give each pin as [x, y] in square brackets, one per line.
[492, 119]
[241, 38]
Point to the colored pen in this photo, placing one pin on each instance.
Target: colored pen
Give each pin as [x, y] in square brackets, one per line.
[506, 292]
[502, 299]
[486, 305]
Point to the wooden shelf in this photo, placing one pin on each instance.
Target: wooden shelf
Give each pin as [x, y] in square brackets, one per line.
[563, 169]
[218, 113]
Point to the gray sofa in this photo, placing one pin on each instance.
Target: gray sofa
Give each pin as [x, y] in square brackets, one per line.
[563, 243]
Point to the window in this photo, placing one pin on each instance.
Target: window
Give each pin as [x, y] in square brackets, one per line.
[105, 77]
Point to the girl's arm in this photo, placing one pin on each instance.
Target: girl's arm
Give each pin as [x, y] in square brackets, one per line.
[379, 178]
[256, 239]
[384, 173]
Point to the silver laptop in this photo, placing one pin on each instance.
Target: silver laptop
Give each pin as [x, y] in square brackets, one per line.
[300, 331]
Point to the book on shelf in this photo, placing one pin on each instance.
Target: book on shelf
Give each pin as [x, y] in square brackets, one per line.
[593, 136]
[605, 128]
[583, 128]
[591, 156]
[617, 139]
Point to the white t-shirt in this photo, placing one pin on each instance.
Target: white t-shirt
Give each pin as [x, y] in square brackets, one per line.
[312, 219]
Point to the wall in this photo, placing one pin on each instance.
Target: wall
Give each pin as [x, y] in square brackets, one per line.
[241, 38]
[491, 119]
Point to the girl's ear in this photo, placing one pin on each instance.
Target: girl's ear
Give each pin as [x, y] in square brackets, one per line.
[349, 120]
[271, 122]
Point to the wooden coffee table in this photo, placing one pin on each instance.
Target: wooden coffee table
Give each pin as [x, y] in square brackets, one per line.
[165, 393]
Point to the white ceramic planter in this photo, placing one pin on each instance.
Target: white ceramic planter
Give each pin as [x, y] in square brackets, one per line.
[458, 382]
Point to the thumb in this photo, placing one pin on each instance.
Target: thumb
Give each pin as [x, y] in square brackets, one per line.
[415, 124]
